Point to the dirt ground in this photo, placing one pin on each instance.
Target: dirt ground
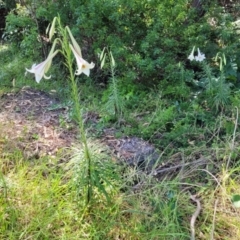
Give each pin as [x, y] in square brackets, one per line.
[30, 120]
[37, 123]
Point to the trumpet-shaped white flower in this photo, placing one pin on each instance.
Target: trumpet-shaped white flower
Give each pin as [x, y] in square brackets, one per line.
[41, 69]
[191, 56]
[83, 66]
[200, 57]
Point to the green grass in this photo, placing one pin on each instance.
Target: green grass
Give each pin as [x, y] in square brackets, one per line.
[39, 202]
[42, 198]
[36, 205]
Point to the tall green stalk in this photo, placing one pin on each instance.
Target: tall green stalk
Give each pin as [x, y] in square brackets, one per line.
[208, 72]
[67, 53]
[115, 103]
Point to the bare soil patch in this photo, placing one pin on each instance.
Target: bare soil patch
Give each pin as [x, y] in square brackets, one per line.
[29, 122]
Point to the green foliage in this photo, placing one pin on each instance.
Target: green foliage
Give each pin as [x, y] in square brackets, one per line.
[103, 179]
[181, 107]
[213, 87]
[150, 42]
[115, 102]
[134, 31]
[148, 39]
[236, 201]
[9, 4]
[21, 32]
[18, 24]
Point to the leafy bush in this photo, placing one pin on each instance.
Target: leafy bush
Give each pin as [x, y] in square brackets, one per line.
[21, 32]
[148, 38]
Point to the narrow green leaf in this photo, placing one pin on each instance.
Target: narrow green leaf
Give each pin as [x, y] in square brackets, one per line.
[98, 184]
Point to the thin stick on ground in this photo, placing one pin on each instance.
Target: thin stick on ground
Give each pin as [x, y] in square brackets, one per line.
[199, 161]
[194, 216]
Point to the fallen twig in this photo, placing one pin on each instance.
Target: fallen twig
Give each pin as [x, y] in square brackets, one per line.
[194, 216]
[201, 160]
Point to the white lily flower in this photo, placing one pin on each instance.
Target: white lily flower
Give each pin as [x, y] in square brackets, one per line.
[200, 57]
[191, 56]
[83, 66]
[41, 69]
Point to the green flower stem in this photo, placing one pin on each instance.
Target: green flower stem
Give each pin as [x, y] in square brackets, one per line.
[208, 72]
[77, 109]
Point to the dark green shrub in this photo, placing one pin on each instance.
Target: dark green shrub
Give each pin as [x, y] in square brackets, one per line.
[147, 38]
[21, 32]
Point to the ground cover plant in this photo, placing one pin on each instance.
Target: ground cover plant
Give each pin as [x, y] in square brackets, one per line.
[143, 143]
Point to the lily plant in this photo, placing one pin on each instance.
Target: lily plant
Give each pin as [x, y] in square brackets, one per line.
[217, 89]
[70, 49]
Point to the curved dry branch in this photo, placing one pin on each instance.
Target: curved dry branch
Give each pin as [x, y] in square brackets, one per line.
[194, 216]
